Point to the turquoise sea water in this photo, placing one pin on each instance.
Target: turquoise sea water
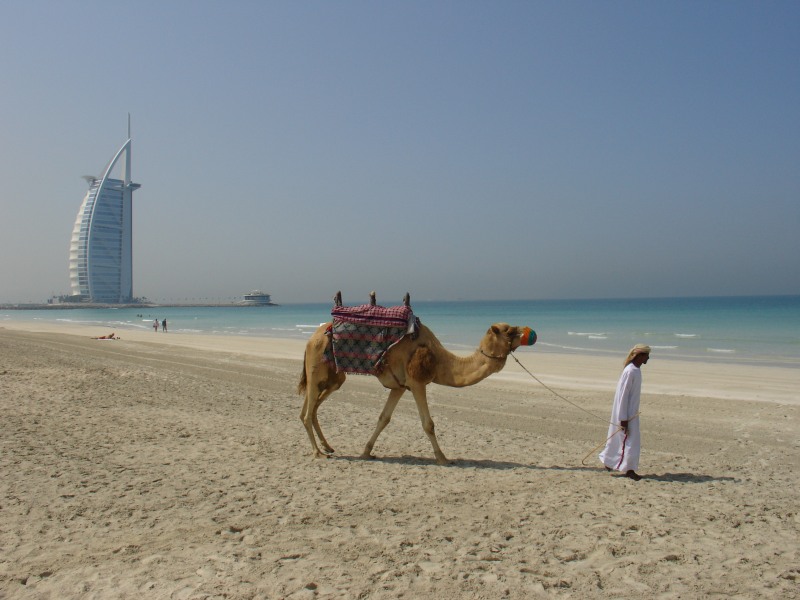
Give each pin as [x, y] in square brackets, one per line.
[727, 329]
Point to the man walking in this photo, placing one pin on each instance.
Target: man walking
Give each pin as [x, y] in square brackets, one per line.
[624, 439]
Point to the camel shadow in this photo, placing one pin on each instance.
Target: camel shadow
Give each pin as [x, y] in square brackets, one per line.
[462, 463]
[466, 463]
[458, 463]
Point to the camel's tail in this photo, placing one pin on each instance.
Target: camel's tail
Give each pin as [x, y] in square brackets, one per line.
[301, 387]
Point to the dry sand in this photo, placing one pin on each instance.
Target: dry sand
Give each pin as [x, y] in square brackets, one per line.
[176, 466]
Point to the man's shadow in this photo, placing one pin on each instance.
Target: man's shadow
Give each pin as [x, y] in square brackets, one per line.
[687, 478]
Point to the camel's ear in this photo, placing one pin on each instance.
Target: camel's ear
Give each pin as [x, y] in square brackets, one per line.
[494, 329]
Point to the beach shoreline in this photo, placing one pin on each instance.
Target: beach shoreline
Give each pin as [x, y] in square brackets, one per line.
[759, 382]
[175, 466]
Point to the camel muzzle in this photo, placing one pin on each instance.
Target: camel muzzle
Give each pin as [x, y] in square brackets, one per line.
[528, 337]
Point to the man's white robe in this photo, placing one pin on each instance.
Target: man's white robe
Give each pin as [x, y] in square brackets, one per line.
[622, 450]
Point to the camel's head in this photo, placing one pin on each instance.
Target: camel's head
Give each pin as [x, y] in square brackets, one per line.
[501, 339]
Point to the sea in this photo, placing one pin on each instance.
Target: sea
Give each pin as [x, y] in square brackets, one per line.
[747, 330]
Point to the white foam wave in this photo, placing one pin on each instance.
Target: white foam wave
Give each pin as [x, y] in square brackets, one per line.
[685, 335]
[586, 334]
[565, 347]
[722, 350]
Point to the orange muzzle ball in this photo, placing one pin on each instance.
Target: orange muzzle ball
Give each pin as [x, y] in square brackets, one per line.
[528, 337]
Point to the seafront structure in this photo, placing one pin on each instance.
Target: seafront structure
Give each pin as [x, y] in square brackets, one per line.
[257, 298]
[101, 252]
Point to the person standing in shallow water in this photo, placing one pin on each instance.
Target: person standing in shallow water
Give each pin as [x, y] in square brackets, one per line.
[164, 325]
[624, 437]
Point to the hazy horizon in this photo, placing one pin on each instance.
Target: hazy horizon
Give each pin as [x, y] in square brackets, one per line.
[454, 150]
[363, 298]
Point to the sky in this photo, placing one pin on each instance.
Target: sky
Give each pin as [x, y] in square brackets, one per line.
[465, 149]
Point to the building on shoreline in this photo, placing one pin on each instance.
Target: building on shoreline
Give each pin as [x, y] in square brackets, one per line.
[101, 250]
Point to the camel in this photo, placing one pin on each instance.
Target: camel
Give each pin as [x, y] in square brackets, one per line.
[411, 364]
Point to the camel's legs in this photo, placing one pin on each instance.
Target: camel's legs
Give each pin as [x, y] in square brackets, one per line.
[421, 399]
[308, 415]
[325, 445]
[383, 420]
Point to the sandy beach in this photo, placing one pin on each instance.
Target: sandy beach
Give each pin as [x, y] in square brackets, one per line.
[175, 466]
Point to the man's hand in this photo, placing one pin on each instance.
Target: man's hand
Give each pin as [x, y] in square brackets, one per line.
[624, 425]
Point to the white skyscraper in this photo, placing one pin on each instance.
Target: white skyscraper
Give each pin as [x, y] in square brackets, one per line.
[100, 255]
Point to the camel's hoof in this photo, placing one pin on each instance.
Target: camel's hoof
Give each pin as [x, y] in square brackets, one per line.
[319, 454]
[367, 456]
[443, 462]
[328, 451]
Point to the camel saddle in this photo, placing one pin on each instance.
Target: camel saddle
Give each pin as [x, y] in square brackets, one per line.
[362, 335]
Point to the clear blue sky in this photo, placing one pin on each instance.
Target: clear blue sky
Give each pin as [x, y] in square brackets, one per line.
[453, 149]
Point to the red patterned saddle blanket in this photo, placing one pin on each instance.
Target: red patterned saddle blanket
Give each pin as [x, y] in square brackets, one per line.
[361, 336]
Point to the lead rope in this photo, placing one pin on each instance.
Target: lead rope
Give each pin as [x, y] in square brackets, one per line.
[557, 395]
[602, 444]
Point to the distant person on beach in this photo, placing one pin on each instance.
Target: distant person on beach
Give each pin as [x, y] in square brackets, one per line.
[624, 440]
[155, 325]
[164, 325]
[110, 336]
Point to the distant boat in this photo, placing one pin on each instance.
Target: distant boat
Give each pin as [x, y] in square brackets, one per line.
[257, 298]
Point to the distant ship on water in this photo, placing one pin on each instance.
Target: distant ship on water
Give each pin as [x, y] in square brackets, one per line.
[257, 298]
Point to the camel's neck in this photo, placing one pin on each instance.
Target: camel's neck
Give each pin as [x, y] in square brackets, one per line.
[460, 371]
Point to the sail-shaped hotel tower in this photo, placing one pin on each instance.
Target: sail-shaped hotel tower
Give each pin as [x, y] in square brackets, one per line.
[100, 254]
